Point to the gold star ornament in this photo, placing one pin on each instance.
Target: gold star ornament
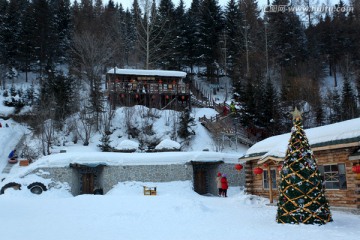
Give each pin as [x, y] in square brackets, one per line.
[296, 114]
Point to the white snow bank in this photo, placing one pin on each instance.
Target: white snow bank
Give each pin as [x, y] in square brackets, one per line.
[168, 145]
[127, 145]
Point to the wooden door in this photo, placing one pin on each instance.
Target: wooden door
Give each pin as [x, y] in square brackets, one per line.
[87, 183]
[200, 182]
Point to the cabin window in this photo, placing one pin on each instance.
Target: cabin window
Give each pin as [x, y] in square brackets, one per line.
[266, 178]
[334, 176]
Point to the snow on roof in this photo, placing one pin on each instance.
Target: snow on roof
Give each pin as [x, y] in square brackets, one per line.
[120, 159]
[330, 134]
[141, 72]
[168, 144]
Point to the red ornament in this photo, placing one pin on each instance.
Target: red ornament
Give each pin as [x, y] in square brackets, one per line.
[356, 169]
[122, 95]
[182, 97]
[238, 167]
[136, 96]
[167, 97]
[279, 168]
[266, 165]
[258, 170]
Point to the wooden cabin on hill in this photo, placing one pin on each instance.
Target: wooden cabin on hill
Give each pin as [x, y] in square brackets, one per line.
[152, 88]
[337, 150]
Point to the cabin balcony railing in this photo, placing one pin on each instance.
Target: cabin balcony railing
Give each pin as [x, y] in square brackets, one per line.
[149, 88]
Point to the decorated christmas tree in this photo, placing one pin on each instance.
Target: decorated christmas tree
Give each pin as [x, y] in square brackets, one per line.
[301, 193]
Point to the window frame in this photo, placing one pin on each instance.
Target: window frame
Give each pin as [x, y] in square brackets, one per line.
[266, 179]
[336, 177]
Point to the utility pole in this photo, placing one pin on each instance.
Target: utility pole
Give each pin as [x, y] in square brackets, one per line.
[246, 27]
[266, 51]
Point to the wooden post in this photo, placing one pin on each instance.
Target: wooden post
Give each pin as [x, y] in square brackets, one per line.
[270, 185]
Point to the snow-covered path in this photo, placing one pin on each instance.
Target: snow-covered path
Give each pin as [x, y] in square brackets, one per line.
[176, 213]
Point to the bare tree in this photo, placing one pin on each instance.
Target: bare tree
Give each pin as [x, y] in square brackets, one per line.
[148, 32]
[93, 53]
[84, 126]
[129, 118]
[107, 116]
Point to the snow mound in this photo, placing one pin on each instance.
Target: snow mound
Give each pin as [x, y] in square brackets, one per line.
[168, 144]
[127, 145]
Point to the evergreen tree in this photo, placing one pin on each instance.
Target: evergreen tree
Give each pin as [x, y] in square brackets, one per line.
[234, 38]
[59, 89]
[192, 35]
[334, 106]
[211, 26]
[348, 102]
[287, 40]
[164, 39]
[179, 47]
[269, 106]
[11, 31]
[301, 193]
[185, 125]
[105, 143]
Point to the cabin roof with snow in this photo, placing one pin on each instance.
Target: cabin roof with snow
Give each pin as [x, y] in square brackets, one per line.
[337, 134]
[141, 72]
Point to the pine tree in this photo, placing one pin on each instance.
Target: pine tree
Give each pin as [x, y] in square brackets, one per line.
[192, 35]
[234, 38]
[348, 102]
[211, 27]
[105, 143]
[301, 193]
[186, 123]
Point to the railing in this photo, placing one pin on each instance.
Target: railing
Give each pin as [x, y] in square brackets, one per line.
[149, 88]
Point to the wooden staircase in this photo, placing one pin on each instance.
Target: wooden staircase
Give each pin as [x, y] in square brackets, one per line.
[225, 126]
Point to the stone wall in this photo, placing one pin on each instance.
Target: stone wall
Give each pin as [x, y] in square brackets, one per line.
[112, 175]
[145, 173]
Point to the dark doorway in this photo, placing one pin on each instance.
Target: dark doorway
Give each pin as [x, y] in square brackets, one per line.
[204, 177]
[200, 182]
[87, 183]
[88, 178]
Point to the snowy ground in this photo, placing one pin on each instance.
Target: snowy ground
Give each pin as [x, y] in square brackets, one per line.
[176, 212]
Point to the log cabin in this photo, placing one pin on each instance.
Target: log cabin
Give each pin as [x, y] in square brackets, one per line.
[336, 148]
[152, 88]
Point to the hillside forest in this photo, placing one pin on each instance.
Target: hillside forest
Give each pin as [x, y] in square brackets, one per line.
[275, 60]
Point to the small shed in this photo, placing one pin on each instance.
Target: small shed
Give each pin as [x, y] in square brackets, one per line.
[337, 150]
[152, 88]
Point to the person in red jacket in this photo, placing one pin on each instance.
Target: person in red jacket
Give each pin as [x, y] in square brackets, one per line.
[224, 185]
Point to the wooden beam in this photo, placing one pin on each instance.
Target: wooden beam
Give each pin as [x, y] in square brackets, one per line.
[270, 184]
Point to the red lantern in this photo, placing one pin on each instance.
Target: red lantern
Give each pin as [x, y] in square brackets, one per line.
[136, 96]
[279, 168]
[167, 97]
[182, 97]
[356, 169]
[238, 167]
[265, 165]
[258, 170]
[122, 95]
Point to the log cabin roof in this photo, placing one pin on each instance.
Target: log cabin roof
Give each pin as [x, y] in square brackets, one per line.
[141, 72]
[332, 136]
